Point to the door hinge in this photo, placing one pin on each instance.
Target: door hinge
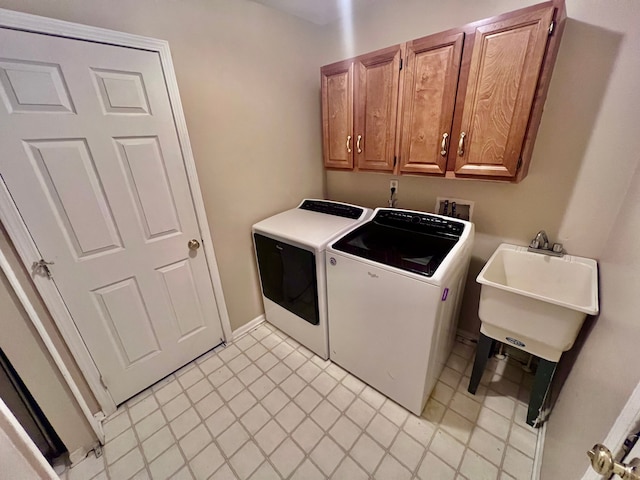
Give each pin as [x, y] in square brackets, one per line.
[42, 267]
[519, 164]
[551, 27]
[97, 450]
[401, 64]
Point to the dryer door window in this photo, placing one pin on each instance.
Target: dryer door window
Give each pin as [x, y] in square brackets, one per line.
[288, 277]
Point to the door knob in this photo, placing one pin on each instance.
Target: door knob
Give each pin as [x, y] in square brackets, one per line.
[193, 244]
[603, 463]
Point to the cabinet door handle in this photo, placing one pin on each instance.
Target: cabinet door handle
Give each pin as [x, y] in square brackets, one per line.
[461, 144]
[348, 143]
[443, 145]
[358, 144]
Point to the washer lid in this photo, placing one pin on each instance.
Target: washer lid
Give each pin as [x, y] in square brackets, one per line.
[411, 241]
[307, 226]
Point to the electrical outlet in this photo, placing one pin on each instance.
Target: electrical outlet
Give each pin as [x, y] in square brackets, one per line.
[394, 184]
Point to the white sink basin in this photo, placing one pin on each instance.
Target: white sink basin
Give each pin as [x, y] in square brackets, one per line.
[536, 302]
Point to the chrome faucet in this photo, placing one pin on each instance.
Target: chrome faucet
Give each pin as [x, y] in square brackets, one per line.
[541, 241]
[540, 244]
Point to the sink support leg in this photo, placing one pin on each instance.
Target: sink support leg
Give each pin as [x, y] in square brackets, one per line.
[541, 385]
[483, 352]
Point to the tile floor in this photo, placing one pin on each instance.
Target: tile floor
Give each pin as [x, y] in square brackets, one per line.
[267, 408]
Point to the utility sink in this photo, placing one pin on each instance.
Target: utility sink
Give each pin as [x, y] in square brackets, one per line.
[536, 302]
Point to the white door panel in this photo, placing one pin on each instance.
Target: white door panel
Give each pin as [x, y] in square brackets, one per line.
[92, 159]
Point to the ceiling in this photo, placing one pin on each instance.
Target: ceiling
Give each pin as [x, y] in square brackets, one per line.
[320, 12]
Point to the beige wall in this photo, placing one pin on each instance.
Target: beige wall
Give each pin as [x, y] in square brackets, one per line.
[602, 219]
[27, 353]
[605, 372]
[583, 163]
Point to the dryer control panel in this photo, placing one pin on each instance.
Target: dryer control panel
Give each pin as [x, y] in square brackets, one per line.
[332, 208]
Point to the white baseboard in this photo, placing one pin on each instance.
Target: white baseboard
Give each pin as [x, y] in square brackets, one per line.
[468, 336]
[247, 327]
[537, 459]
[100, 416]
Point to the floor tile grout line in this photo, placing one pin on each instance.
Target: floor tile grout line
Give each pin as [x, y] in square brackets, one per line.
[245, 386]
[167, 424]
[104, 449]
[448, 407]
[327, 432]
[215, 437]
[340, 378]
[324, 397]
[437, 426]
[272, 415]
[138, 446]
[202, 422]
[467, 444]
[511, 420]
[387, 450]
[307, 455]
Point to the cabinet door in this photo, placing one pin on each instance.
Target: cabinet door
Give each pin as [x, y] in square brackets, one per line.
[431, 72]
[376, 93]
[503, 76]
[337, 115]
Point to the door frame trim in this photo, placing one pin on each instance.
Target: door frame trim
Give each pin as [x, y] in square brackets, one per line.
[96, 425]
[23, 447]
[18, 232]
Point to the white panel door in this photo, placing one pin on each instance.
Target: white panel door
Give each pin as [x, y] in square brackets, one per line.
[91, 157]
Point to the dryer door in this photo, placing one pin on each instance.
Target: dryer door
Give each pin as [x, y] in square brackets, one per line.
[288, 277]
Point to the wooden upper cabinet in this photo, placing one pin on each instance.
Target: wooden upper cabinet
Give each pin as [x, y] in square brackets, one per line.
[467, 102]
[431, 71]
[337, 115]
[359, 111]
[376, 107]
[506, 61]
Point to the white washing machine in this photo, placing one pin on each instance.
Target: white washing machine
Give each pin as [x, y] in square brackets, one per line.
[290, 250]
[395, 286]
